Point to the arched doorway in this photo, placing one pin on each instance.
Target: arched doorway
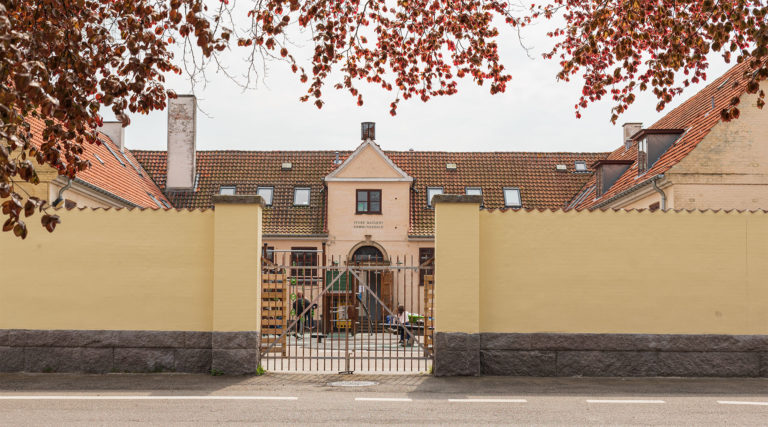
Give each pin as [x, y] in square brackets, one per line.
[376, 285]
[367, 254]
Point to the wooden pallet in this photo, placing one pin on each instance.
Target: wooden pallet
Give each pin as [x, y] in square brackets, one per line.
[429, 312]
[275, 304]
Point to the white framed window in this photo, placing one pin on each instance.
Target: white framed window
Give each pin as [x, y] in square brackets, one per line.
[266, 193]
[432, 192]
[581, 166]
[227, 190]
[473, 191]
[301, 196]
[512, 197]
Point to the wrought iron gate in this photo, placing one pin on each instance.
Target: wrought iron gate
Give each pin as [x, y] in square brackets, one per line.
[366, 315]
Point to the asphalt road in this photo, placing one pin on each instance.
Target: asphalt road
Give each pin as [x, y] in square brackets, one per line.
[163, 399]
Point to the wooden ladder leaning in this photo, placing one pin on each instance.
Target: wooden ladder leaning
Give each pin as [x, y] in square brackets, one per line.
[429, 312]
[274, 308]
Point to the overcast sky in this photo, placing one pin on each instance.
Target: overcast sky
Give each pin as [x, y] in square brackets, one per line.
[536, 113]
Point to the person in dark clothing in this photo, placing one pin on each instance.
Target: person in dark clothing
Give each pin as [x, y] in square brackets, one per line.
[299, 306]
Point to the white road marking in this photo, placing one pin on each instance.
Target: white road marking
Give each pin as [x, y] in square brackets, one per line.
[101, 397]
[489, 400]
[624, 401]
[383, 399]
[735, 402]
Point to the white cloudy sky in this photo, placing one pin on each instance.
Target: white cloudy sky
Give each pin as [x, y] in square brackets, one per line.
[535, 114]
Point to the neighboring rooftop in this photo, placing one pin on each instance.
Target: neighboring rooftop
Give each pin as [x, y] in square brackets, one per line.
[113, 173]
[696, 117]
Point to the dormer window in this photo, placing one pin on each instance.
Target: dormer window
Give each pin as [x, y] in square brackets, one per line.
[432, 192]
[512, 197]
[652, 144]
[227, 190]
[607, 172]
[301, 196]
[266, 193]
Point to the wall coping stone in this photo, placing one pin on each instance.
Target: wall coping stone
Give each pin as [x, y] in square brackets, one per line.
[239, 199]
[456, 198]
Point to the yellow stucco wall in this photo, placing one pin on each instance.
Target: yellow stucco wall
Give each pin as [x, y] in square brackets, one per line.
[607, 272]
[134, 270]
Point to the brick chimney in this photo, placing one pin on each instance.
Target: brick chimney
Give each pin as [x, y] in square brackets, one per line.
[629, 130]
[182, 122]
[116, 132]
[368, 131]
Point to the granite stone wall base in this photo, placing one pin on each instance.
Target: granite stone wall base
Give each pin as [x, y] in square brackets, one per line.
[92, 351]
[600, 355]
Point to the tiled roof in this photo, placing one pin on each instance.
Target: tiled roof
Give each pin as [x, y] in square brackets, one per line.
[697, 116]
[541, 185]
[127, 181]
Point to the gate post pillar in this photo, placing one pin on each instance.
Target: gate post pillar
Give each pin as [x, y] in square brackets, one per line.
[457, 285]
[236, 284]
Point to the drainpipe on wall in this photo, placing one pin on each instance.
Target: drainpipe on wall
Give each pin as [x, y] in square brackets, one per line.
[60, 197]
[654, 181]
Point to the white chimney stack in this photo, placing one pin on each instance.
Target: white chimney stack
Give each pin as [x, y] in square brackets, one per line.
[116, 132]
[182, 122]
[629, 130]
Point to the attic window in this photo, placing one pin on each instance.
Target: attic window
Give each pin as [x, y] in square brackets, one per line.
[432, 192]
[512, 197]
[561, 168]
[227, 190]
[154, 199]
[266, 193]
[301, 196]
[580, 166]
[286, 166]
[106, 144]
[98, 158]
[450, 166]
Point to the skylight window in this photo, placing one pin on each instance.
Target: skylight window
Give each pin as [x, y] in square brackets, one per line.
[98, 158]
[128, 159]
[227, 190]
[512, 197]
[106, 144]
[301, 196]
[166, 204]
[473, 191]
[266, 193]
[432, 192]
[581, 166]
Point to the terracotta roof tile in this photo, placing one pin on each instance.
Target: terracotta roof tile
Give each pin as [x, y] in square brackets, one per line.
[127, 181]
[697, 116]
[542, 186]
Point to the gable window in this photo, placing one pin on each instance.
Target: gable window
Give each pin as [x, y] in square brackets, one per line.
[266, 193]
[432, 192]
[426, 263]
[581, 166]
[368, 201]
[227, 190]
[301, 196]
[512, 197]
